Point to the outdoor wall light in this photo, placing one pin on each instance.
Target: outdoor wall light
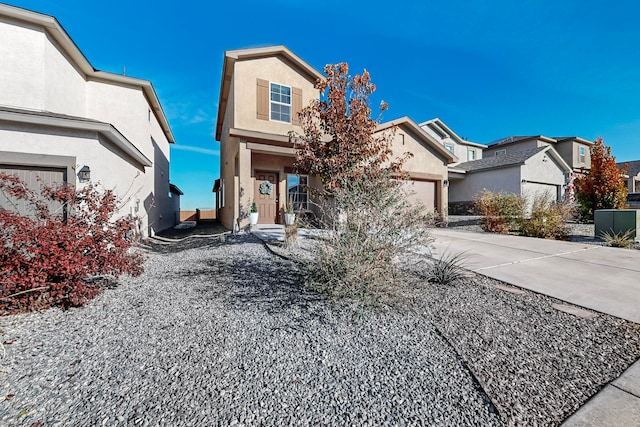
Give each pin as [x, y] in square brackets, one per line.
[524, 181]
[445, 182]
[85, 174]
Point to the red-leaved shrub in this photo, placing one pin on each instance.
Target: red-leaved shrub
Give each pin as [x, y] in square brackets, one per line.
[60, 258]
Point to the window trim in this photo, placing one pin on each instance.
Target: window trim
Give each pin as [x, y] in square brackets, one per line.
[501, 152]
[290, 104]
[469, 154]
[447, 145]
[582, 154]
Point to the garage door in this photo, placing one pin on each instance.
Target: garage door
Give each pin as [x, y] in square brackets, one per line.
[531, 190]
[423, 192]
[33, 177]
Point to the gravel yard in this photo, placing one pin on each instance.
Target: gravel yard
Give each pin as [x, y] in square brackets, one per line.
[221, 333]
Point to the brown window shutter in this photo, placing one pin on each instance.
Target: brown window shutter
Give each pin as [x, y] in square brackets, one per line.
[296, 105]
[263, 99]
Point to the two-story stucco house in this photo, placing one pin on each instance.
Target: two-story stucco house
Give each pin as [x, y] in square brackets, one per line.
[575, 151]
[64, 121]
[261, 92]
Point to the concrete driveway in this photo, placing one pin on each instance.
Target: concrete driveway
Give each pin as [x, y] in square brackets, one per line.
[595, 277]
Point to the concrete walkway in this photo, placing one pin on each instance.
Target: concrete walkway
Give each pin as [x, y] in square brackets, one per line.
[599, 278]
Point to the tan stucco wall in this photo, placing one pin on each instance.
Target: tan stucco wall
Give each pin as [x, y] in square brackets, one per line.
[570, 153]
[273, 69]
[426, 162]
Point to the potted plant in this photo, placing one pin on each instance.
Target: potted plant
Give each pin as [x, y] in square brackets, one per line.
[253, 214]
[289, 214]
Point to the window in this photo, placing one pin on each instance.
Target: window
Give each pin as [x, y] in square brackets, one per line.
[471, 154]
[297, 191]
[280, 104]
[583, 155]
[501, 152]
[449, 147]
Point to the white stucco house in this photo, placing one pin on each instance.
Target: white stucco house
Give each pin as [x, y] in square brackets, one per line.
[524, 166]
[60, 116]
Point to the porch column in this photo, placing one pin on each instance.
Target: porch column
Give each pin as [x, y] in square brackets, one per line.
[245, 187]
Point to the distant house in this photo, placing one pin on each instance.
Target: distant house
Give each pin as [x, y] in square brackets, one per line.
[575, 151]
[427, 169]
[262, 90]
[464, 150]
[66, 122]
[632, 176]
[528, 172]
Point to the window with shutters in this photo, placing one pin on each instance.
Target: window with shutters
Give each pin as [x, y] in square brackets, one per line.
[583, 154]
[280, 102]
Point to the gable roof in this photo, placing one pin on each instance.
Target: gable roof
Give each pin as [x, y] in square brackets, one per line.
[515, 139]
[633, 167]
[44, 118]
[55, 30]
[421, 133]
[442, 128]
[573, 138]
[232, 56]
[516, 158]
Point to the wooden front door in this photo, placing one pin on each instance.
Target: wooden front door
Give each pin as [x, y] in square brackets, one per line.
[266, 197]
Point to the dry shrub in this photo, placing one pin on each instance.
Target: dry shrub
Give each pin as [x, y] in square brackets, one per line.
[500, 212]
[547, 219]
[369, 228]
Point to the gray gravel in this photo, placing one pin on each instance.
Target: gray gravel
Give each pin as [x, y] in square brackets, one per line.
[221, 334]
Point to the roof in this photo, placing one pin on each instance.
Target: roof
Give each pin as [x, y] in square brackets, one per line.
[422, 134]
[232, 56]
[510, 159]
[516, 139]
[573, 138]
[553, 140]
[446, 130]
[175, 190]
[57, 33]
[633, 167]
[45, 118]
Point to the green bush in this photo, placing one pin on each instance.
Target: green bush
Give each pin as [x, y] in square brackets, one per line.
[447, 269]
[547, 219]
[501, 212]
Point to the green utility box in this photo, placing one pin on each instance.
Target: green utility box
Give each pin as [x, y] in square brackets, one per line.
[617, 221]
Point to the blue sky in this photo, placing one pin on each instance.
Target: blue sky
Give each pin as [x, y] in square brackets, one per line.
[488, 69]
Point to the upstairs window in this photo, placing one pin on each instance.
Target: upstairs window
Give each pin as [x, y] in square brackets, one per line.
[449, 147]
[471, 154]
[280, 104]
[583, 155]
[501, 152]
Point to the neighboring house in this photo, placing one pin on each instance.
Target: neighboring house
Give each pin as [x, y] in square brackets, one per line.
[464, 150]
[427, 168]
[262, 90]
[575, 151]
[632, 175]
[526, 172]
[64, 121]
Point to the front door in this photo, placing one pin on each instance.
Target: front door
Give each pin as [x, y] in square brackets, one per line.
[265, 192]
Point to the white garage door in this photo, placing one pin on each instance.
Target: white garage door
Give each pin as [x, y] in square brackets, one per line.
[531, 190]
[423, 192]
[33, 177]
